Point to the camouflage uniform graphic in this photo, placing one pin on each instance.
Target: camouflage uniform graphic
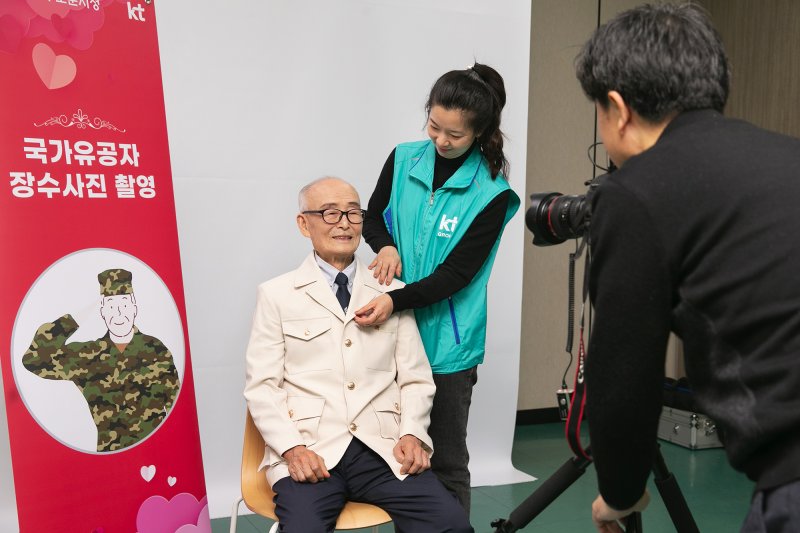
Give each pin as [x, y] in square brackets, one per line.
[130, 392]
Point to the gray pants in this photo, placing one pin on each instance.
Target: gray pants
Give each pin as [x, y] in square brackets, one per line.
[448, 431]
[775, 510]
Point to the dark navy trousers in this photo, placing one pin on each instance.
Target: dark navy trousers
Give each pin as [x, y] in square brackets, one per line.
[417, 504]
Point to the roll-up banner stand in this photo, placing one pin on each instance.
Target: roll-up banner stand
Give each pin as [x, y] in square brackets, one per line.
[96, 370]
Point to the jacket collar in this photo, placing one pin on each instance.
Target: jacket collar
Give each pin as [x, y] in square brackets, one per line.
[422, 170]
[310, 277]
[688, 118]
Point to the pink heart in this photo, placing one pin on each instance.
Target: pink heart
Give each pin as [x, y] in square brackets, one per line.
[159, 515]
[54, 71]
[47, 9]
[203, 524]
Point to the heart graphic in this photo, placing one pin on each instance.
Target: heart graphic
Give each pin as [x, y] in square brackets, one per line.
[171, 480]
[148, 472]
[182, 513]
[65, 27]
[54, 71]
[48, 9]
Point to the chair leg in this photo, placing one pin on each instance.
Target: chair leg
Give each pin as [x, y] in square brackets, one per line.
[235, 514]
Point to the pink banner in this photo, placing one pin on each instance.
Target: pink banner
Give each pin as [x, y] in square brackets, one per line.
[97, 375]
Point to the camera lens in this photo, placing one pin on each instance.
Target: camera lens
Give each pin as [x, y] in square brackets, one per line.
[554, 217]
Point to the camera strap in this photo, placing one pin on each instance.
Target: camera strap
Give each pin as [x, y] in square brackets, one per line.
[578, 406]
[578, 403]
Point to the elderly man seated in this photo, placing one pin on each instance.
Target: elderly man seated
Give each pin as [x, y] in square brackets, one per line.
[343, 410]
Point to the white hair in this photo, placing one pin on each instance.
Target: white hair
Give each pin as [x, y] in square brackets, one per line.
[302, 196]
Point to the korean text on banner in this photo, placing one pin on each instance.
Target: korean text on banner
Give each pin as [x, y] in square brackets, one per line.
[97, 375]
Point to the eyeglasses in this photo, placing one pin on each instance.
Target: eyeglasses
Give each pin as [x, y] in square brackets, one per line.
[333, 216]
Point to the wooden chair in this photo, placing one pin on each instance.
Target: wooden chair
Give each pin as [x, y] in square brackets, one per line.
[257, 494]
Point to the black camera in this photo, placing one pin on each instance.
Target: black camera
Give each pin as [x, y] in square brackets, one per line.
[554, 217]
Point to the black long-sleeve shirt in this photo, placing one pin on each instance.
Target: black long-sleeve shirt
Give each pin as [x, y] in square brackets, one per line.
[698, 234]
[466, 258]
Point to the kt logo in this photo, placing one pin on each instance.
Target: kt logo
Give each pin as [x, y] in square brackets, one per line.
[136, 13]
[448, 224]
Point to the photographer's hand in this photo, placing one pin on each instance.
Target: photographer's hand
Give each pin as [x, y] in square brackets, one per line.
[606, 519]
[386, 265]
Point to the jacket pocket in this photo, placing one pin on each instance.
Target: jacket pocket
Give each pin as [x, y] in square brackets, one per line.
[306, 413]
[380, 346]
[306, 329]
[387, 409]
[307, 347]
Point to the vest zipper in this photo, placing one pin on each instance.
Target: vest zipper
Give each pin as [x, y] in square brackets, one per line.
[453, 319]
[422, 242]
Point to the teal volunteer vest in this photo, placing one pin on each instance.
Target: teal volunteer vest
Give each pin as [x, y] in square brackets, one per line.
[426, 226]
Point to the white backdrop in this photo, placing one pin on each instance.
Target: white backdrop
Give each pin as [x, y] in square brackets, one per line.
[264, 96]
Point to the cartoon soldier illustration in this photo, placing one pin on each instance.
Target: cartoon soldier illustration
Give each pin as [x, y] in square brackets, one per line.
[128, 378]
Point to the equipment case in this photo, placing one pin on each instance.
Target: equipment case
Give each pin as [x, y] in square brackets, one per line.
[688, 429]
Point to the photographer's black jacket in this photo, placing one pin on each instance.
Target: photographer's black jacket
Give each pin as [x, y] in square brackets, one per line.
[698, 235]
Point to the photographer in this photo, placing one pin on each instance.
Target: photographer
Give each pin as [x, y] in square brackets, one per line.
[694, 233]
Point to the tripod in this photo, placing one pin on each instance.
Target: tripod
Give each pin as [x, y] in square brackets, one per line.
[574, 468]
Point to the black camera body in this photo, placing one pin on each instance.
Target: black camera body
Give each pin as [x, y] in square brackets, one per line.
[554, 217]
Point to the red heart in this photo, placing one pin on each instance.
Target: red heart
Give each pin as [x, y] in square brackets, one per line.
[64, 26]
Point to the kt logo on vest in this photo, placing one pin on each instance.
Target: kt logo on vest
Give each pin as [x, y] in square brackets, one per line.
[447, 226]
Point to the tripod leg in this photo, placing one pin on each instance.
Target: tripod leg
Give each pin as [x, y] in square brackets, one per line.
[633, 523]
[673, 498]
[550, 489]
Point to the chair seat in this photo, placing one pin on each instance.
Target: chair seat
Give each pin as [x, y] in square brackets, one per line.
[258, 495]
[356, 515]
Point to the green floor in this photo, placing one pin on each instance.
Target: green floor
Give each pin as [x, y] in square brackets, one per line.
[717, 496]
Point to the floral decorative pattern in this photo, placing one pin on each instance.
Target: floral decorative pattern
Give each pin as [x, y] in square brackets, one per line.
[81, 121]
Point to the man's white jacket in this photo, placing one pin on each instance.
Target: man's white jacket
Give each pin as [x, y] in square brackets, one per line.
[315, 377]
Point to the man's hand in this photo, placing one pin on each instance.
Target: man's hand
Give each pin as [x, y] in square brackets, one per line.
[606, 519]
[375, 312]
[386, 265]
[305, 466]
[409, 452]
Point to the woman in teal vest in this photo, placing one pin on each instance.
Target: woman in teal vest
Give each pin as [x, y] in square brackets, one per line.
[435, 220]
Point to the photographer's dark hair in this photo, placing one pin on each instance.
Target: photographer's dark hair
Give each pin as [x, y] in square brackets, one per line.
[661, 58]
[479, 92]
